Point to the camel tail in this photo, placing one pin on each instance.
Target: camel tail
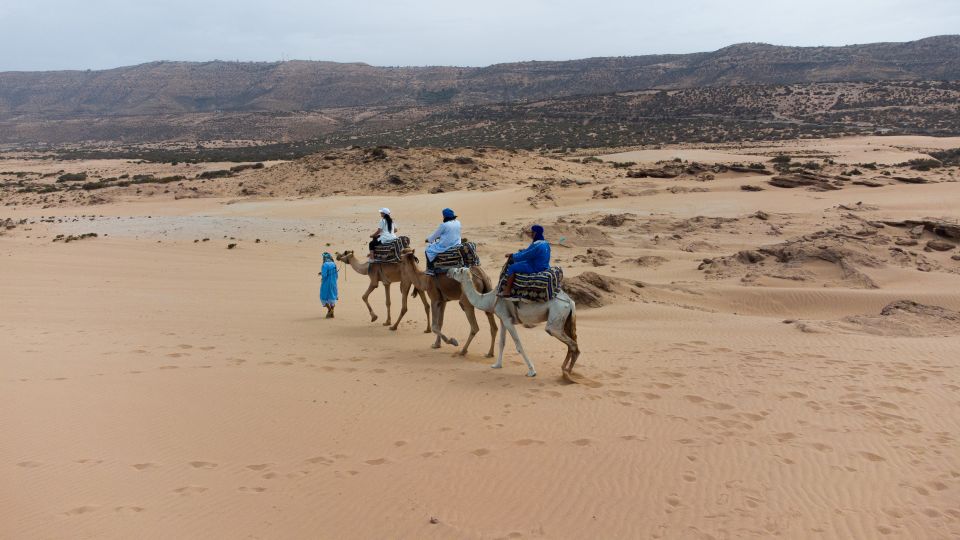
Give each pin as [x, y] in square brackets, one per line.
[570, 326]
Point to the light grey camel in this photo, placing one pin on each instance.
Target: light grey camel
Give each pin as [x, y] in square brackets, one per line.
[560, 315]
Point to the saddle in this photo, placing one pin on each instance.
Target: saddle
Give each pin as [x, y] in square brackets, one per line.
[460, 256]
[391, 251]
[538, 287]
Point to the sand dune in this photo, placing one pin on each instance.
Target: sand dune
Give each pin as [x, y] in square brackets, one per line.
[156, 384]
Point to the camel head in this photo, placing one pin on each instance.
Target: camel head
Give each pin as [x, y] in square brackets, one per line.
[460, 274]
[410, 253]
[345, 256]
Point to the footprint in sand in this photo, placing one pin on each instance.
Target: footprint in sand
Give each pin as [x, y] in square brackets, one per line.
[872, 457]
[269, 476]
[690, 476]
[255, 489]
[480, 452]
[29, 464]
[169, 367]
[378, 461]
[89, 461]
[400, 443]
[528, 442]
[583, 442]
[177, 355]
[185, 346]
[319, 460]
[190, 490]
[203, 465]
[128, 509]
[144, 466]
[81, 510]
[258, 467]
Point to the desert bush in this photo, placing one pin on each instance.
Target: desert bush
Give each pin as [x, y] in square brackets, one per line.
[222, 173]
[922, 164]
[240, 168]
[72, 177]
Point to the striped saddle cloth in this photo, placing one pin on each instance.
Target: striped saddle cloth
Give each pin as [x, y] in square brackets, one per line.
[462, 256]
[390, 252]
[539, 287]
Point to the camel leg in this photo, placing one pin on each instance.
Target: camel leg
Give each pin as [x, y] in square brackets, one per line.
[516, 340]
[493, 333]
[471, 314]
[438, 311]
[366, 295]
[555, 327]
[503, 342]
[386, 289]
[403, 304]
[426, 310]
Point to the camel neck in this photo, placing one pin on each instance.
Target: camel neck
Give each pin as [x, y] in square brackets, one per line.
[360, 268]
[485, 302]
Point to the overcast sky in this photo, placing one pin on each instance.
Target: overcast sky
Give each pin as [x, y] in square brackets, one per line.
[97, 34]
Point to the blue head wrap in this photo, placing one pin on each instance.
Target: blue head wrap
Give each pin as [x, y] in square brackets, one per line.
[448, 214]
[327, 257]
[537, 232]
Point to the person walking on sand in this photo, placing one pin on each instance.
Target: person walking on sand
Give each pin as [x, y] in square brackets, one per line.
[445, 237]
[386, 232]
[328, 284]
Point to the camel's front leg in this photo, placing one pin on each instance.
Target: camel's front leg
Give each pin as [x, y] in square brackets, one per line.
[493, 332]
[474, 325]
[404, 289]
[516, 340]
[503, 342]
[426, 309]
[366, 296]
[386, 288]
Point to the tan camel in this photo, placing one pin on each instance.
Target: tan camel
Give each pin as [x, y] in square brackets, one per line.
[560, 315]
[442, 289]
[386, 273]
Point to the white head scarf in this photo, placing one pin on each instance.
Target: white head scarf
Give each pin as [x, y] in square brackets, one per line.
[385, 211]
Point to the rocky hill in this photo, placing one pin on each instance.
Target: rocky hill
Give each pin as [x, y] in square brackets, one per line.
[184, 87]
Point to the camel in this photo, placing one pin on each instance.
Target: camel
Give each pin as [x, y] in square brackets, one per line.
[386, 273]
[560, 315]
[442, 289]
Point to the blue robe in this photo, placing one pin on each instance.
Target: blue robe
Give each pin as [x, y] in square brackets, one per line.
[328, 284]
[535, 258]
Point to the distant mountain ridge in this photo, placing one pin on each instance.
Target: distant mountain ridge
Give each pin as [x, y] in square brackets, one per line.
[173, 88]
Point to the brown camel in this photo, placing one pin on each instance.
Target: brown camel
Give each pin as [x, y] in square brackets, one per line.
[442, 289]
[386, 273]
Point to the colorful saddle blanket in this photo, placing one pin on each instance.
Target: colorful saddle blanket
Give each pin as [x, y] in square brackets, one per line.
[390, 252]
[462, 256]
[539, 287]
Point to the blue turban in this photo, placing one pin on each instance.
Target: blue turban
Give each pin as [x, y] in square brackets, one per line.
[327, 256]
[448, 214]
[537, 232]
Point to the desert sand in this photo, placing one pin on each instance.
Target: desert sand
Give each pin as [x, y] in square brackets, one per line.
[733, 383]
